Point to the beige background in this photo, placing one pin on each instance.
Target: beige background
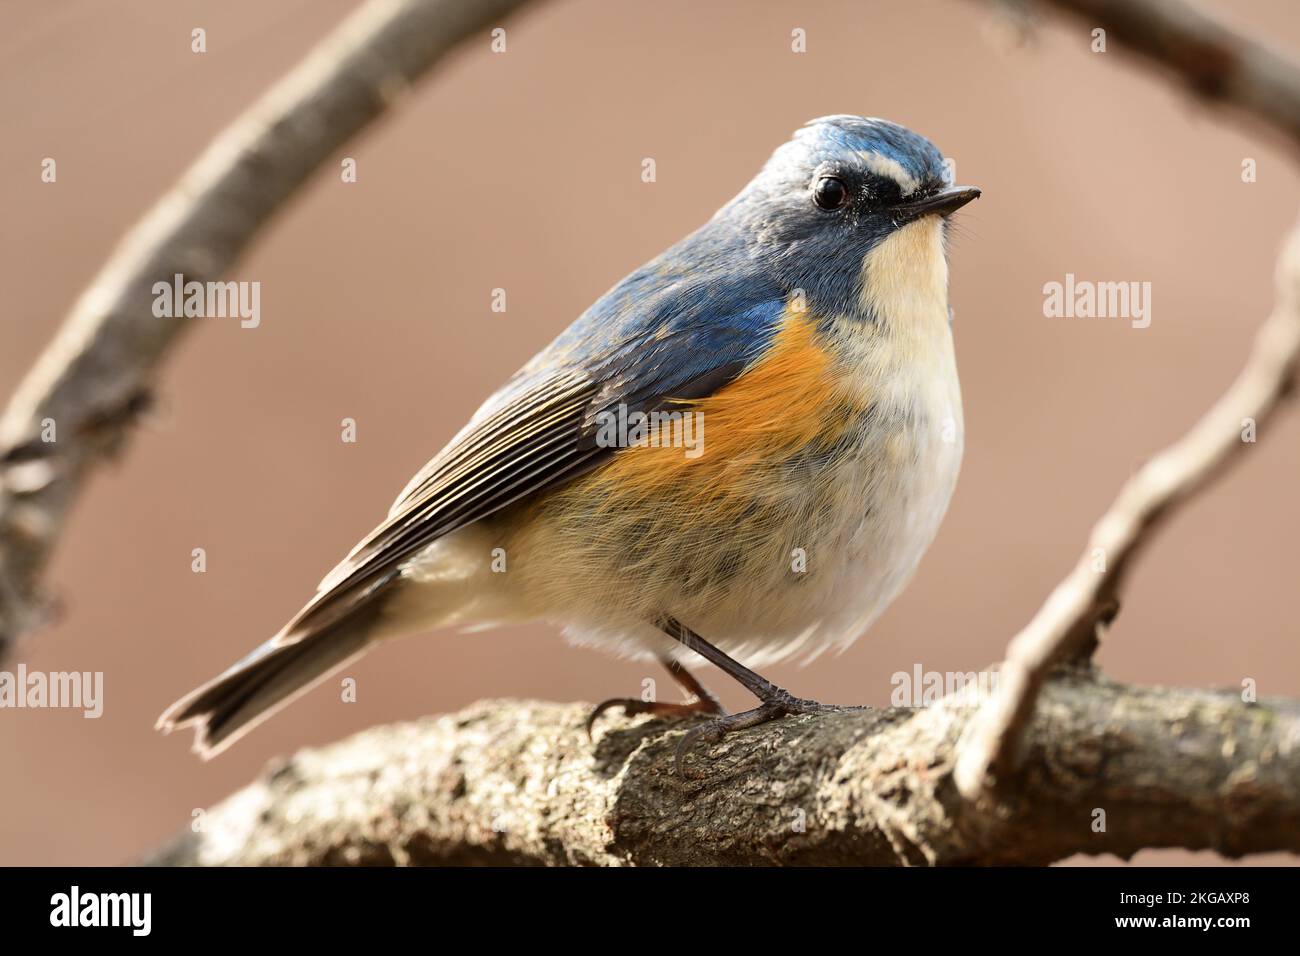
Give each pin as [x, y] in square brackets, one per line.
[522, 171]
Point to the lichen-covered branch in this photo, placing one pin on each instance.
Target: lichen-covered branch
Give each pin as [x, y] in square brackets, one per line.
[1109, 769]
[88, 386]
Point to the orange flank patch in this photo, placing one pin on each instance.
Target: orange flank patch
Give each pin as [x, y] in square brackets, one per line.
[784, 402]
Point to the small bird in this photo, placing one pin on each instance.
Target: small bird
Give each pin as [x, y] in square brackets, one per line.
[739, 452]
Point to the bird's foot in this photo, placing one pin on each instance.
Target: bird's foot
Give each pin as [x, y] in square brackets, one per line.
[633, 706]
[779, 703]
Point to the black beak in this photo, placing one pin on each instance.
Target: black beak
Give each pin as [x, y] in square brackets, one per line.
[943, 203]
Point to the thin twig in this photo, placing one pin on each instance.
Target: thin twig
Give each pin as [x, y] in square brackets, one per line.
[1222, 65]
[95, 376]
[1066, 623]
[1217, 63]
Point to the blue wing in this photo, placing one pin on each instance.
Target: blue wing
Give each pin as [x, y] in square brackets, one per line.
[680, 327]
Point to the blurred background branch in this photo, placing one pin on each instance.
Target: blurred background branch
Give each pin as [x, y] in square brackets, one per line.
[89, 386]
[1217, 63]
[1070, 621]
[1220, 65]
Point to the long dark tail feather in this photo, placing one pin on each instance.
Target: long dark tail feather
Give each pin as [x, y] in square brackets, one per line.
[228, 706]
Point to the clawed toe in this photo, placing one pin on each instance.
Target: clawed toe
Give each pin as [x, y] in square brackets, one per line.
[627, 703]
[773, 701]
[632, 706]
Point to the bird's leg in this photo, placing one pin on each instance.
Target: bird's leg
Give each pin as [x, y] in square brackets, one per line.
[705, 701]
[773, 701]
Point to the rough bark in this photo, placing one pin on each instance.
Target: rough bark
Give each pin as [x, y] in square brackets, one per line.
[518, 782]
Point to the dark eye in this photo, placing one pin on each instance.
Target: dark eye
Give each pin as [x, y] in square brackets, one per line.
[830, 193]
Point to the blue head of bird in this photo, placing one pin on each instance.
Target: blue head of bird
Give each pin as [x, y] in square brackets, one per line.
[820, 210]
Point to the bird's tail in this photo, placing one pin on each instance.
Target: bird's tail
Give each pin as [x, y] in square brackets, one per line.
[290, 664]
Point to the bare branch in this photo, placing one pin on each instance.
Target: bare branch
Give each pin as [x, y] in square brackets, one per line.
[1067, 623]
[1218, 64]
[519, 783]
[95, 376]
[1223, 65]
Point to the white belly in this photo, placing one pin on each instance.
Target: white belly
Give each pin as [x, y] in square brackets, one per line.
[886, 500]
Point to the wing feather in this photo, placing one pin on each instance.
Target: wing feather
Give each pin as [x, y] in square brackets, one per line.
[538, 431]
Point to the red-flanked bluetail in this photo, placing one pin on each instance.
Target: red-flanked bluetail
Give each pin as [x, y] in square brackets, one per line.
[740, 452]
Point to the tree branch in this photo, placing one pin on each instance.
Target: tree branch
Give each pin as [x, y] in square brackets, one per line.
[510, 782]
[1067, 623]
[95, 376]
[1219, 64]
[1216, 63]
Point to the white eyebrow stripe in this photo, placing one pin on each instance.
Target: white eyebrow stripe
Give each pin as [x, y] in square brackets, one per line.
[890, 168]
